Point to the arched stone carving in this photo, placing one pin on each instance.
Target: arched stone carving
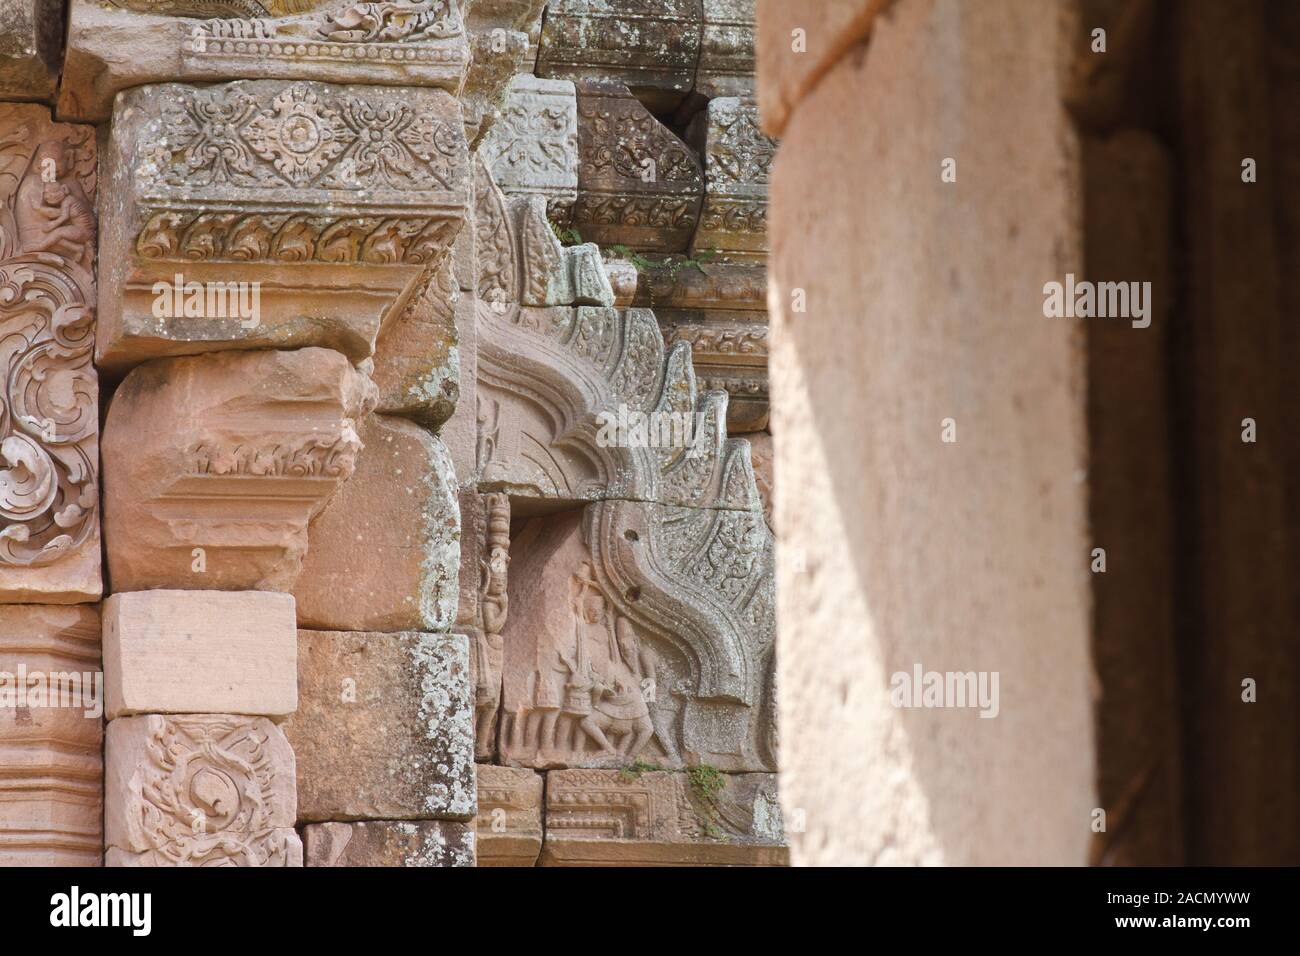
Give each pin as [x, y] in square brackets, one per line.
[585, 405]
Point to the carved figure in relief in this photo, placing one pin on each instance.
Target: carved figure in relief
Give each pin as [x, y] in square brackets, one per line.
[489, 427]
[52, 213]
[494, 603]
[393, 20]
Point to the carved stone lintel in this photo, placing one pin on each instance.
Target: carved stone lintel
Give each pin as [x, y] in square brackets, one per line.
[406, 43]
[323, 208]
[49, 400]
[199, 790]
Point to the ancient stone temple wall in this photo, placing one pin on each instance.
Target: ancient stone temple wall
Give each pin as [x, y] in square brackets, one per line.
[424, 332]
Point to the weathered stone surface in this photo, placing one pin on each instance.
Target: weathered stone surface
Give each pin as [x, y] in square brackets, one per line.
[196, 652]
[503, 37]
[417, 359]
[638, 184]
[620, 818]
[49, 432]
[113, 46]
[799, 42]
[622, 276]
[31, 48]
[491, 607]
[952, 330]
[389, 843]
[652, 46]
[199, 790]
[509, 816]
[737, 159]
[761, 452]
[726, 66]
[51, 763]
[598, 671]
[319, 209]
[533, 147]
[215, 464]
[399, 509]
[384, 727]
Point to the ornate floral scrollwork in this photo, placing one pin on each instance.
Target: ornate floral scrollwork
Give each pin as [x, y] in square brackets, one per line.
[48, 407]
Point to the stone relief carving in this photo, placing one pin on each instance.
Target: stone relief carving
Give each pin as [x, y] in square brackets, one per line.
[273, 184]
[49, 414]
[675, 542]
[638, 184]
[738, 157]
[533, 146]
[204, 790]
[486, 642]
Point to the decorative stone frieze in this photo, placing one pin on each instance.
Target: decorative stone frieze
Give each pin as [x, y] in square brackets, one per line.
[199, 790]
[652, 46]
[320, 208]
[389, 843]
[49, 402]
[533, 147]
[196, 652]
[509, 816]
[638, 184]
[51, 745]
[726, 66]
[31, 48]
[399, 508]
[214, 464]
[384, 728]
[737, 159]
[126, 43]
[613, 818]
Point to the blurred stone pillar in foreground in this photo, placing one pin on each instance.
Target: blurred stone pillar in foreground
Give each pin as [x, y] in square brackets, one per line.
[929, 431]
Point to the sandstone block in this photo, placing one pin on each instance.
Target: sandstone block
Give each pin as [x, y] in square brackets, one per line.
[51, 736]
[390, 843]
[532, 148]
[653, 46]
[49, 436]
[417, 357]
[737, 158]
[273, 214]
[384, 727]
[199, 790]
[187, 652]
[613, 818]
[638, 184]
[400, 510]
[215, 464]
[112, 47]
[509, 816]
[726, 66]
[31, 49]
[503, 41]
